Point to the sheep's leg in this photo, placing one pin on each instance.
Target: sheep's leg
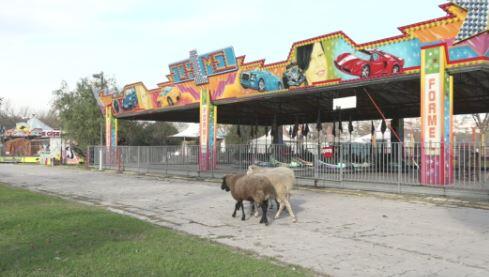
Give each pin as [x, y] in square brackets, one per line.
[264, 207]
[270, 203]
[281, 207]
[287, 198]
[236, 207]
[256, 211]
[289, 209]
[242, 211]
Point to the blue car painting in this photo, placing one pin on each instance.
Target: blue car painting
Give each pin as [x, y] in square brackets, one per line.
[260, 80]
[130, 100]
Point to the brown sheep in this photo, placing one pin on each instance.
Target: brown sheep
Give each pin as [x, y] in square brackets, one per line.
[256, 189]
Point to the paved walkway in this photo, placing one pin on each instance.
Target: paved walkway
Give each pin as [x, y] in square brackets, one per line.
[340, 234]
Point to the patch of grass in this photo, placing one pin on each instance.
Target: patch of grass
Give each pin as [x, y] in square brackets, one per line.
[46, 236]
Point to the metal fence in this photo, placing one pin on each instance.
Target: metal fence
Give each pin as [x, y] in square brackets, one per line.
[384, 166]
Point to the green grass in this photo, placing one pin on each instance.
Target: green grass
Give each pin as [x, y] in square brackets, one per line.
[46, 236]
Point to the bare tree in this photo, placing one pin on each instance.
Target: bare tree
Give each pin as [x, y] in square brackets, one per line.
[50, 118]
[8, 115]
[25, 112]
[482, 123]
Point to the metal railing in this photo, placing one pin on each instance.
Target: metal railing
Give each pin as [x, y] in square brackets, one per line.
[384, 166]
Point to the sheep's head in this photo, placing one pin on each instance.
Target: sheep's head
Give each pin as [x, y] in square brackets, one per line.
[224, 185]
[252, 168]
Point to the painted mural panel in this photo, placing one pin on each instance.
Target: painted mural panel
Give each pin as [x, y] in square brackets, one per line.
[323, 61]
[137, 97]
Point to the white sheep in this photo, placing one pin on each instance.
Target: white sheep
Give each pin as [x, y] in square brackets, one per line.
[282, 179]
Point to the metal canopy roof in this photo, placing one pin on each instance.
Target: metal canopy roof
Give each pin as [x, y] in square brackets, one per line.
[397, 96]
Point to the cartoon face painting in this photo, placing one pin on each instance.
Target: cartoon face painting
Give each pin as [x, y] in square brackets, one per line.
[317, 70]
[312, 61]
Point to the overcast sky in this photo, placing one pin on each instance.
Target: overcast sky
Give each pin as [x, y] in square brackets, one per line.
[43, 42]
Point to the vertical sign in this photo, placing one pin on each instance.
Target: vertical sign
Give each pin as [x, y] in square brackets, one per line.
[113, 131]
[203, 128]
[208, 119]
[108, 126]
[204, 119]
[448, 132]
[432, 116]
[207, 116]
[212, 134]
[436, 118]
[111, 128]
[199, 79]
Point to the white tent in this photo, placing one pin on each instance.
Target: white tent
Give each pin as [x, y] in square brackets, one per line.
[192, 132]
[267, 139]
[262, 142]
[378, 137]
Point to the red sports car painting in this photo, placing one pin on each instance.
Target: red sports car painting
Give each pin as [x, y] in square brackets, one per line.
[378, 63]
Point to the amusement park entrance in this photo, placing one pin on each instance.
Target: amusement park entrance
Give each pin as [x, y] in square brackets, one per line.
[436, 69]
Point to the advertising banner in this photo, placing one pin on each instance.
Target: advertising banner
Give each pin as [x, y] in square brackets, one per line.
[111, 128]
[212, 135]
[208, 119]
[108, 126]
[114, 130]
[431, 116]
[436, 118]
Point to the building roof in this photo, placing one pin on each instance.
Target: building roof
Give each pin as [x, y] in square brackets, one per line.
[35, 123]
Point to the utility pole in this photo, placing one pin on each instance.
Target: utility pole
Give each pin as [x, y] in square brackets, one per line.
[101, 86]
[1, 101]
[2, 130]
[100, 76]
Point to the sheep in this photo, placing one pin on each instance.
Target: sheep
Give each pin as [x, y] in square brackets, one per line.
[257, 189]
[282, 179]
[231, 179]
